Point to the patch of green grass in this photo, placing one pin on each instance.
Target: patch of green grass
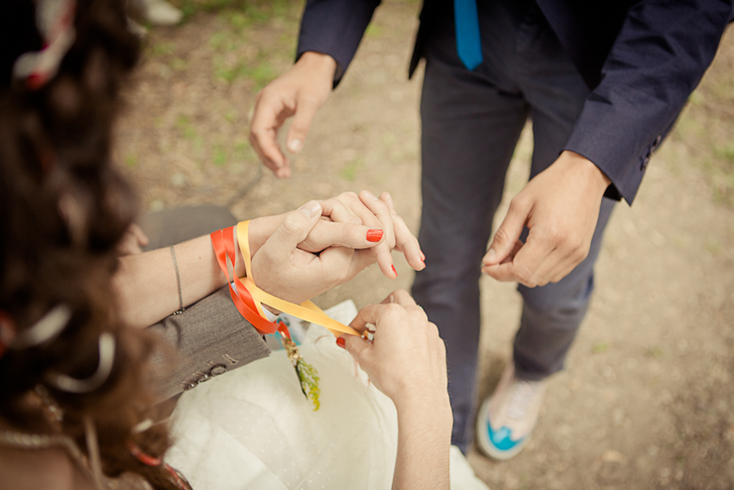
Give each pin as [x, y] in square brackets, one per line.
[243, 152]
[198, 143]
[223, 41]
[713, 247]
[655, 353]
[220, 156]
[725, 152]
[373, 31]
[389, 139]
[258, 13]
[184, 124]
[230, 116]
[179, 64]
[599, 347]
[161, 49]
[696, 98]
[250, 11]
[349, 172]
[236, 20]
[259, 72]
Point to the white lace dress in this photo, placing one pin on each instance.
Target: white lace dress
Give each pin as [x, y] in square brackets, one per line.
[254, 429]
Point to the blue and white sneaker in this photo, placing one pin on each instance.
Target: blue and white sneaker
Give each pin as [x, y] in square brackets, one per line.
[508, 417]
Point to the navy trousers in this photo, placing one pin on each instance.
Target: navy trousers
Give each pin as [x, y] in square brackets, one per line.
[471, 122]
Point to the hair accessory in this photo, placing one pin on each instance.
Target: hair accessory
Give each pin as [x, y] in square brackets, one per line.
[55, 23]
[104, 368]
[7, 332]
[47, 328]
[54, 413]
[181, 308]
[149, 460]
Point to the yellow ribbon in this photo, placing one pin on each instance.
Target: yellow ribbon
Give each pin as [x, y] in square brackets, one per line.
[307, 310]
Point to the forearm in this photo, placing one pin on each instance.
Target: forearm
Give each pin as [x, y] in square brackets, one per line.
[657, 60]
[146, 283]
[424, 440]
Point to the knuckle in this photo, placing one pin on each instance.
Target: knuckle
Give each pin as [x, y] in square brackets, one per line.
[501, 235]
[401, 295]
[392, 309]
[349, 195]
[524, 275]
[291, 223]
[575, 243]
[554, 235]
[519, 202]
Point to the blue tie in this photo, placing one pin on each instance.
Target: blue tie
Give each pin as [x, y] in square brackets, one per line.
[468, 42]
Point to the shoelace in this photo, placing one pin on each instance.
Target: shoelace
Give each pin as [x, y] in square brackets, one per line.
[523, 395]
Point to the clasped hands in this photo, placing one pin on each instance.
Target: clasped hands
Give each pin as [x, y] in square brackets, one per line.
[323, 244]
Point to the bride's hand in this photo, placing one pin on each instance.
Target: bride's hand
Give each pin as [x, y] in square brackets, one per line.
[406, 359]
[355, 222]
[282, 269]
[381, 212]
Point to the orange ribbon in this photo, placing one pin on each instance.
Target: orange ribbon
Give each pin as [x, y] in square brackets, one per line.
[248, 298]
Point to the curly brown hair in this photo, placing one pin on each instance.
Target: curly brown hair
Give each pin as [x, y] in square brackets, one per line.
[63, 208]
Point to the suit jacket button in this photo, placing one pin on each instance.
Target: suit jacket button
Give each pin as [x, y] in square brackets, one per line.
[657, 141]
[218, 369]
[189, 386]
[204, 378]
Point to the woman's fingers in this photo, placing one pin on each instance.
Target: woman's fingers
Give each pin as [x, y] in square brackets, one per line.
[405, 241]
[340, 227]
[401, 297]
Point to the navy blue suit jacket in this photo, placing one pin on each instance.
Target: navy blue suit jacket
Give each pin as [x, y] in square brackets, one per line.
[641, 58]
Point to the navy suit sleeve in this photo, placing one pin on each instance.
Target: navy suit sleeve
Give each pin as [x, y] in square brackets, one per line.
[658, 58]
[335, 27]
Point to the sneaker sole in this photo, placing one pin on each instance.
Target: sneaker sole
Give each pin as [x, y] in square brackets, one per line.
[486, 446]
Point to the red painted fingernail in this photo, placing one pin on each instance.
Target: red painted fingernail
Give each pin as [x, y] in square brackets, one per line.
[341, 342]
[374, 235]
[393, 269]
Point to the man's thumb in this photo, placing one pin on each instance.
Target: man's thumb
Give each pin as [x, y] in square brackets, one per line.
[504, 240]
[305, 113]
[295, 227]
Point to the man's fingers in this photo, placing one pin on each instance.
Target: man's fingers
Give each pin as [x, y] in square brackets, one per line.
[327, 234]
[508, 233]
[269, 114]
[524, 265]
[306, 108]
[294, 229]
[338, 212]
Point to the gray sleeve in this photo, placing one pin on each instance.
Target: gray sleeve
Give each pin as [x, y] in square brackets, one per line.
[207, 340]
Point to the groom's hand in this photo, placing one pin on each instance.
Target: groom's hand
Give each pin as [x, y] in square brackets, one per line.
[282, 269]
[299, 92]
[560, 207]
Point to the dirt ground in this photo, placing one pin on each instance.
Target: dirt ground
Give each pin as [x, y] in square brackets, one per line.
[646, 399]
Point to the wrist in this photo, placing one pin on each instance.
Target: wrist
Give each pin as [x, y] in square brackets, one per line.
[424, 402]
[592, 174]
[318, 63]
